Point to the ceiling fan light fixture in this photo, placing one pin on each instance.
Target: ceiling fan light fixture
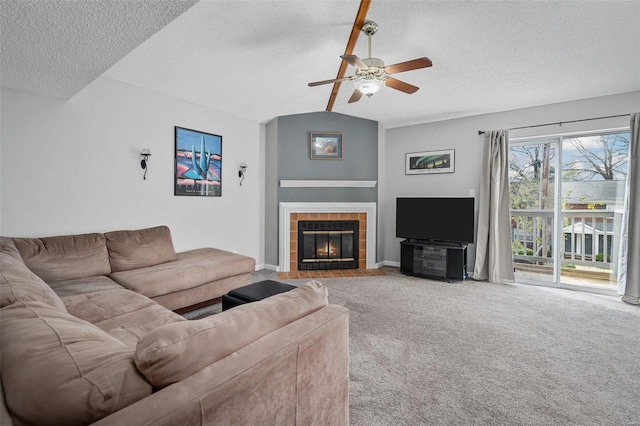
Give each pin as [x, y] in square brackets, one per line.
[368, 87]
[372, 74]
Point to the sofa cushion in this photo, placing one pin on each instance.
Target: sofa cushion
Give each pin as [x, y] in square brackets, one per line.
[58, 369]
[66, 288]
[18, 283]
[121, 313]
[191, 269]
[140, 248]
[66, 257]
[8, 247]
[173, 352]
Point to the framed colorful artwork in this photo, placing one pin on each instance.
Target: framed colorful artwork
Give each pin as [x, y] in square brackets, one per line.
[198, 163]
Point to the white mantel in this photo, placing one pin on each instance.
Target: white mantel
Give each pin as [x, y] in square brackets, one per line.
[315, 183]
[286, 209]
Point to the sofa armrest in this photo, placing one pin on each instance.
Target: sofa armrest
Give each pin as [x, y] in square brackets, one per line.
[175, 351]
[298, 374]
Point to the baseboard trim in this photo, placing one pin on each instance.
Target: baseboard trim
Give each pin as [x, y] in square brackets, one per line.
[376, 265]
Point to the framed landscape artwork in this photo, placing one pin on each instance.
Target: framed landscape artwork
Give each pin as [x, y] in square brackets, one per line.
[326, 146]
[427, 162]
[198, 163]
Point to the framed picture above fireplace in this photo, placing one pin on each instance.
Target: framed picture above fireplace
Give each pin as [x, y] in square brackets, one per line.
[428, 162]
[326, 146]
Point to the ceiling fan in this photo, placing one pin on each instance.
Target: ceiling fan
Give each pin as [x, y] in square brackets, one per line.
[371, 73]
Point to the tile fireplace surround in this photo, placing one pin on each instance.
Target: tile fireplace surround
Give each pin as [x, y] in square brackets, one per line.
[290, 213]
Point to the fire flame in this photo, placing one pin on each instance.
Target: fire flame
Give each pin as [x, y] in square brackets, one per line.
[327, 250]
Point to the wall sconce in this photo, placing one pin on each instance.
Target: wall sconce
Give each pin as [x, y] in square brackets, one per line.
[242, 171]
[145, 154]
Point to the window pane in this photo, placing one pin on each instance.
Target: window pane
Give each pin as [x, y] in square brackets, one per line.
[594, 170]
[531, 176]
[531, 188]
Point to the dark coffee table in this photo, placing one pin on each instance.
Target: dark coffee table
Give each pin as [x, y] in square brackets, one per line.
[253, 293]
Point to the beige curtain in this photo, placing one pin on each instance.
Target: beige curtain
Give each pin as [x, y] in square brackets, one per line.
[493, 242]
[629, 267]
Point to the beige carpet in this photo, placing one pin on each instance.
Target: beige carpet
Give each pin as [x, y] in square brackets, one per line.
[432, 353]
[426, 352]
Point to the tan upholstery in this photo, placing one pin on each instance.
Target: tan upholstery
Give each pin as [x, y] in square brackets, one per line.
[58, 369]
[5, 416]
[18, 283]
[8, 247]
[139, 248]
[175, 351]
[263, 383]
[66, 257]
[219, 263]
[68, 345]
[323, 369]
[99, 283]
[192, 268]
[173, 280]
[208, 291]
[123, 314]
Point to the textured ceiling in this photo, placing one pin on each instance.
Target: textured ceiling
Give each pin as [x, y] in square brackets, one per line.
[56, 48]
[254, 58]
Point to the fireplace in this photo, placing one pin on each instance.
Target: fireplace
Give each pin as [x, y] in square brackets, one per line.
[291, 213]
[328, 244]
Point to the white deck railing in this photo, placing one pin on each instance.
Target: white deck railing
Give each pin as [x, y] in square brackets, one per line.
[588, 237]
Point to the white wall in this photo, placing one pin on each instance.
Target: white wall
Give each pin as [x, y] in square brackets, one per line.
[462, 135]
[74, 166]
[260, 174]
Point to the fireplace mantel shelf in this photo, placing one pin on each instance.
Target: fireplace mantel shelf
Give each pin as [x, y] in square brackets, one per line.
[318, 183]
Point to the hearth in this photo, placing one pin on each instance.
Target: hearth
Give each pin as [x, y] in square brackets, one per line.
[327, 244]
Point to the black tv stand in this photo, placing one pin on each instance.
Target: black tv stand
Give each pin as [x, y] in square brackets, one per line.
[434, 259]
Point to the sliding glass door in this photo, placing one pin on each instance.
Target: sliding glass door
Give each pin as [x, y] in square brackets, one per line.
[532, 193]
[566, 199]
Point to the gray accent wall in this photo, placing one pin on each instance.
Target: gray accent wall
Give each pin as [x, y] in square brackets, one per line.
[288, 157]
[271, 193]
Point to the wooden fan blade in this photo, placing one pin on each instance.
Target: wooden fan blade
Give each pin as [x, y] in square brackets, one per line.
[408, 66]
[335, 80]
[400, 85]
[354, 61]
[355, 97]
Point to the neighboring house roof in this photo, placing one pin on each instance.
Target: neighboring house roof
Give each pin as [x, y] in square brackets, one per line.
[593, 191]
[580, 228]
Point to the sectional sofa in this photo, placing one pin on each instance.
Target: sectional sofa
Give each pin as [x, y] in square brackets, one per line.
[142, 260]
[88, 336]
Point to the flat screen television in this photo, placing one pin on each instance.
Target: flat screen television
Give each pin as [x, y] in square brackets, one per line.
[435, 219]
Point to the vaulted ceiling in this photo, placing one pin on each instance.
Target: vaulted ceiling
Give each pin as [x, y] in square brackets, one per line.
[254, 58]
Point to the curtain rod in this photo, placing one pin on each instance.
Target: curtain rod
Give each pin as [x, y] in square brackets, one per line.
[560, 123]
